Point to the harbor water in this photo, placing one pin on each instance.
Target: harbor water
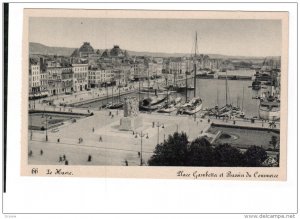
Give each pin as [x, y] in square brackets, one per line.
[212, 92]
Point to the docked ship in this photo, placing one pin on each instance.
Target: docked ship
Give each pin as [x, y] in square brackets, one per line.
[269, 109]
[151, 103]
[115, 106]
[191, 107]
[195, 104]
[170, 106]
[256, 85]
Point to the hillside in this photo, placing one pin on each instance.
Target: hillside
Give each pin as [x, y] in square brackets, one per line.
[38, 48]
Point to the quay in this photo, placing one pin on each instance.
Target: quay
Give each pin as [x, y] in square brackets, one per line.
[116, 146]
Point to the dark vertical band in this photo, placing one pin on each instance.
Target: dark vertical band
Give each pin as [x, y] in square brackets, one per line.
[5, 74]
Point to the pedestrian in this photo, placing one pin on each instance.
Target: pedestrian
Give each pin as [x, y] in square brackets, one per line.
[153, 124]
[89, 158]
[30, 153]
[126, 163]
[64, 157]
[93, 129]
[41, 152]
[60, 159]
[109, 113]
[58, 140]
[139, 154]
[66, 162]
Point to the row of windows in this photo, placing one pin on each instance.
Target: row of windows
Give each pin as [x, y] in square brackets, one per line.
[35, 78]
[35, 84]
[35, 67]
[35, 72]
[80, 69]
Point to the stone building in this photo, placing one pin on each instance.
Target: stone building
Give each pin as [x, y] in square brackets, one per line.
[54, 76]
[67, 79]
[80, 78]
[85, 51]
[34, 76]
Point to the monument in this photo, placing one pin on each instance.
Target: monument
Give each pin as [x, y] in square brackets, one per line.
[131, 119]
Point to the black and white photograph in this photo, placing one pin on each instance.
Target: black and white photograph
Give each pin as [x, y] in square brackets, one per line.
[183, 92]
[124, 109]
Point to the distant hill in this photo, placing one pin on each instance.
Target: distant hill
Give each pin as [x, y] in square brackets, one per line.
[38, 48]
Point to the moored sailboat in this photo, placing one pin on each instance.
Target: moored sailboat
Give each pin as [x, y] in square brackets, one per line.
[194, 105]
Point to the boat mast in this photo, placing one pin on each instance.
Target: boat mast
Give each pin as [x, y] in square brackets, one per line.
[217, 97]
[195, 65]
[112, 94]
[186, 87]
[226, 85]
[243, 100]
[119, 87]
[148, 83]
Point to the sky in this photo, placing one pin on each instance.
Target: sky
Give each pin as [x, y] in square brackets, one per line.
[226, 37]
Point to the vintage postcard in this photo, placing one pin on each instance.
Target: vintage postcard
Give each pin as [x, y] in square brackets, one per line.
[155, 94]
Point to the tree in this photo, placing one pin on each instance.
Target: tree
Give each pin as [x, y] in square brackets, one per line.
[200, 153]
[255, 156]
[172, 152]
[228, 156]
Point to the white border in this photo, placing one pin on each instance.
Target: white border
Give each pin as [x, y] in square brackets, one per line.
[95, 195]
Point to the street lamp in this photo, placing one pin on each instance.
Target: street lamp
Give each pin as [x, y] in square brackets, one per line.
[159, 125]
[142, 135]
[30, 116]
[46, 116]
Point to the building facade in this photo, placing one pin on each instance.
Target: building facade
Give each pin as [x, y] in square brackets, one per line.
[54, 76]
[80, 79]
[35, 78]
[67, 79]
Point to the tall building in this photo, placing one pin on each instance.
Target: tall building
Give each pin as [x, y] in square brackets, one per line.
[97, 76]
[67, 79]
[86, 50]
[54, 76]
[80, 79]
[34, 76]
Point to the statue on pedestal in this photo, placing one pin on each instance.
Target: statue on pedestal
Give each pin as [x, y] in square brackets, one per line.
[131, 119]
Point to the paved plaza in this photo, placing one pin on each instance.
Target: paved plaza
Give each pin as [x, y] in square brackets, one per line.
[116, 146]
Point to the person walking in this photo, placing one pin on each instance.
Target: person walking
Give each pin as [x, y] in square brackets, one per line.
[41, 152]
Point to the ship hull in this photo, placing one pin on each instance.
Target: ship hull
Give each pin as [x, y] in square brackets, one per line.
[167, 110]
[269, 115]
[190, 112]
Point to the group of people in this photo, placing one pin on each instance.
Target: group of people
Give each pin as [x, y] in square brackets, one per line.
[30, 153]
[63, 159]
